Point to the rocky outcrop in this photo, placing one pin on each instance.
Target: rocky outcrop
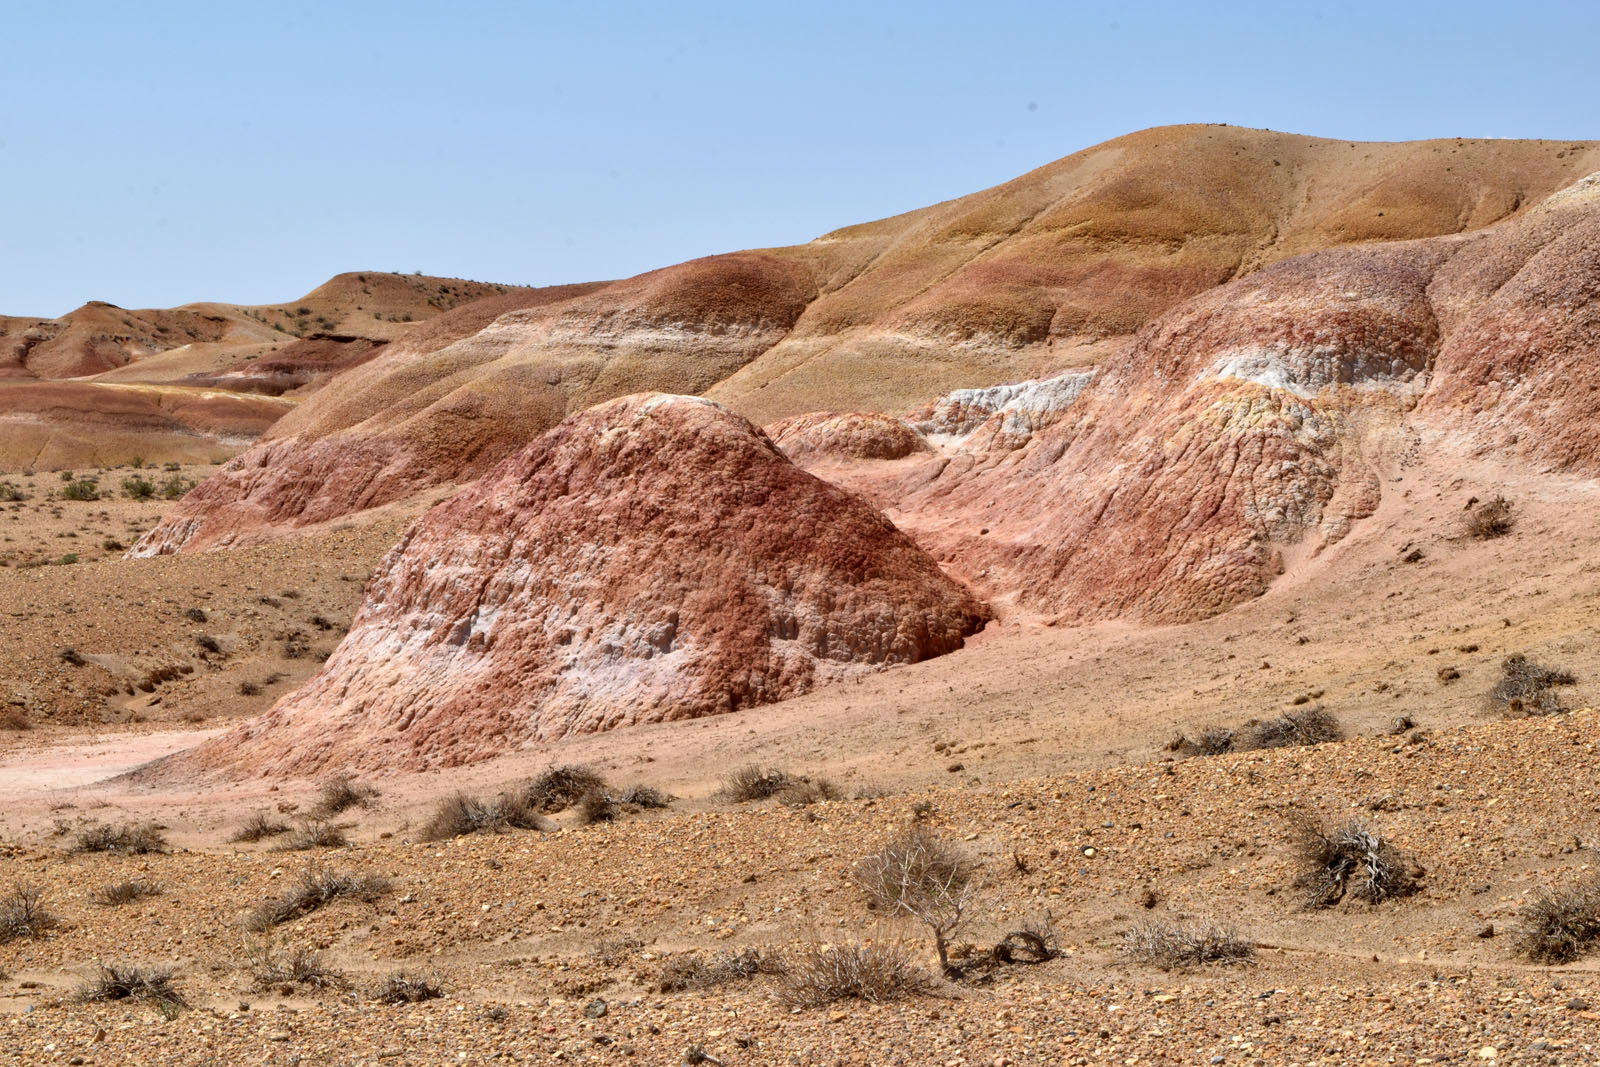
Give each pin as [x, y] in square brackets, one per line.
[653, 558]
[845, 435]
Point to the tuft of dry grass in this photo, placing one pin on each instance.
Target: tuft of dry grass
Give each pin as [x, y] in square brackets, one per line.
[644, 796]
[315, 833]
[118, 981]
[754, 783]
[803, 792]
[692, 972]
[1488, 520]
[558, 788]
[23, 914]
[596, 806]
[459, 815]
[133, 839]
[1212, 741]
[1525, 688]
[341, 793]
[297, 967]
[1171, 946]
[116, 894]
[316, 888]
[1559, 925]
[1349, 859]
[258, 827]
[877, 973]
[1310, 726]
[405, 987]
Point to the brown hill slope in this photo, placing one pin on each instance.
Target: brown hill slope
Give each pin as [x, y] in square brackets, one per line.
[650, 559]
[1049, 271]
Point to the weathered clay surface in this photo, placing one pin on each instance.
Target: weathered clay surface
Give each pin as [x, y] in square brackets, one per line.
[652, 558]
[850, 435]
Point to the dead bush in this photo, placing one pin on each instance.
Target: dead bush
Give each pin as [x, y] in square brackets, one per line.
[1559, 925]
[315, 833]
[118, 981]
[405, 987]
[297, 967]
[644, 796]
[876, 973]
[316, 888]
[133, 839]
[116, 894]
[15, 718]
[258, 827]
[558, 788]
[1349, 859]
[596, 806]
[804, 792]
[459, 815]
[23, 914]
[1211, 741]
[1489, 519]
[918, 875]
[1526, 688]
[754, 783]
[1171, 946]
[685, 973]
[341, 793]
[1311, 726]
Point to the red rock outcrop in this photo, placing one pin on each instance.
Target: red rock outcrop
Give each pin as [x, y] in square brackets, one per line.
[847, 435]
[652, 558]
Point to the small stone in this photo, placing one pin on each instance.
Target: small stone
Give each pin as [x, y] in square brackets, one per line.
[1488, 1052]
[596, 1008]
[279, 1035]
[1578, 1004]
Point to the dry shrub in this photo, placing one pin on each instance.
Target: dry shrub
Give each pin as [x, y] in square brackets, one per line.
[683, 973]
[919, 875]
[1311, 726]
[341, 793]
[596, 806]
[1525, 688]
[644, 796]
[317, 887]
[1171, 946]
[118, 981]
[754, 783]
[259, 827]
[1212, 741]
[15, 718]
[133, 839]
[116, 894]
[1349, 859]
[297, 967]
[876, 973]
[405, 987]
[23, 914]
[1488, 520]
[804, 792]
[315, 833]
[1559, 925]
[459, 815]
[558, 788]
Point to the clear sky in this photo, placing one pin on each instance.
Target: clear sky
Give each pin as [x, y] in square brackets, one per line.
[153, 154]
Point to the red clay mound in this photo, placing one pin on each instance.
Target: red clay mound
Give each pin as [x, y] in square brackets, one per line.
[653, 558]
[851, 435]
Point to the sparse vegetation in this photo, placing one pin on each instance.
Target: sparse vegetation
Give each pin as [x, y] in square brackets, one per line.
[405, 987]
[596, 806]
[116, 894]
[1560, 925]
[918, 875]
[11, 493]
[692, 972]
[1489, 519]
[315, 833]
[876, 973]
[754, 783]
[298, 967]
[15, 718]
[82, 489]
[803, 792]
[1526, 688]
[341, 793]
[316, 888]
[558, 788]
[138, 487]
[1171, 946]
[124, 982]
[644, 796]
[459, 815]
[259, 827]
[1349, 859]
[23, 914]
[134, 839]
[1301, 726]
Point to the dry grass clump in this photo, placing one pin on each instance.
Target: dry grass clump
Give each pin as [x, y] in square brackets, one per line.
[341, 793]
[15, 718]
[683, 973]
[118, 981]
[644, 796]
[876, 973]
[1559, 925]
[1350, 859]
[1488, 520]
[258, 827]
[133, 839]
[596, 806]
[315, 833]
[1171, 947]
[1212, 741]
[754, 783]
[116, 894]
[803, 792]
[23, 914]
[1525, 688]
[404, 987]
[919, 875]
[558, 788]
[459, 815]
[298, 967]
[1310, 726]
[317, 887]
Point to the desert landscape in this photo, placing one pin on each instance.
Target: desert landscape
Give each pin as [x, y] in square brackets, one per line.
[1142, 612]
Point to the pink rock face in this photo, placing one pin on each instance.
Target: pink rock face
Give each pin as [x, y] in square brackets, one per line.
[849, 435]
[653, 558]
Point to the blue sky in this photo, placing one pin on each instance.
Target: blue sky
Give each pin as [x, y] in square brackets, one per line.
[153, 154]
